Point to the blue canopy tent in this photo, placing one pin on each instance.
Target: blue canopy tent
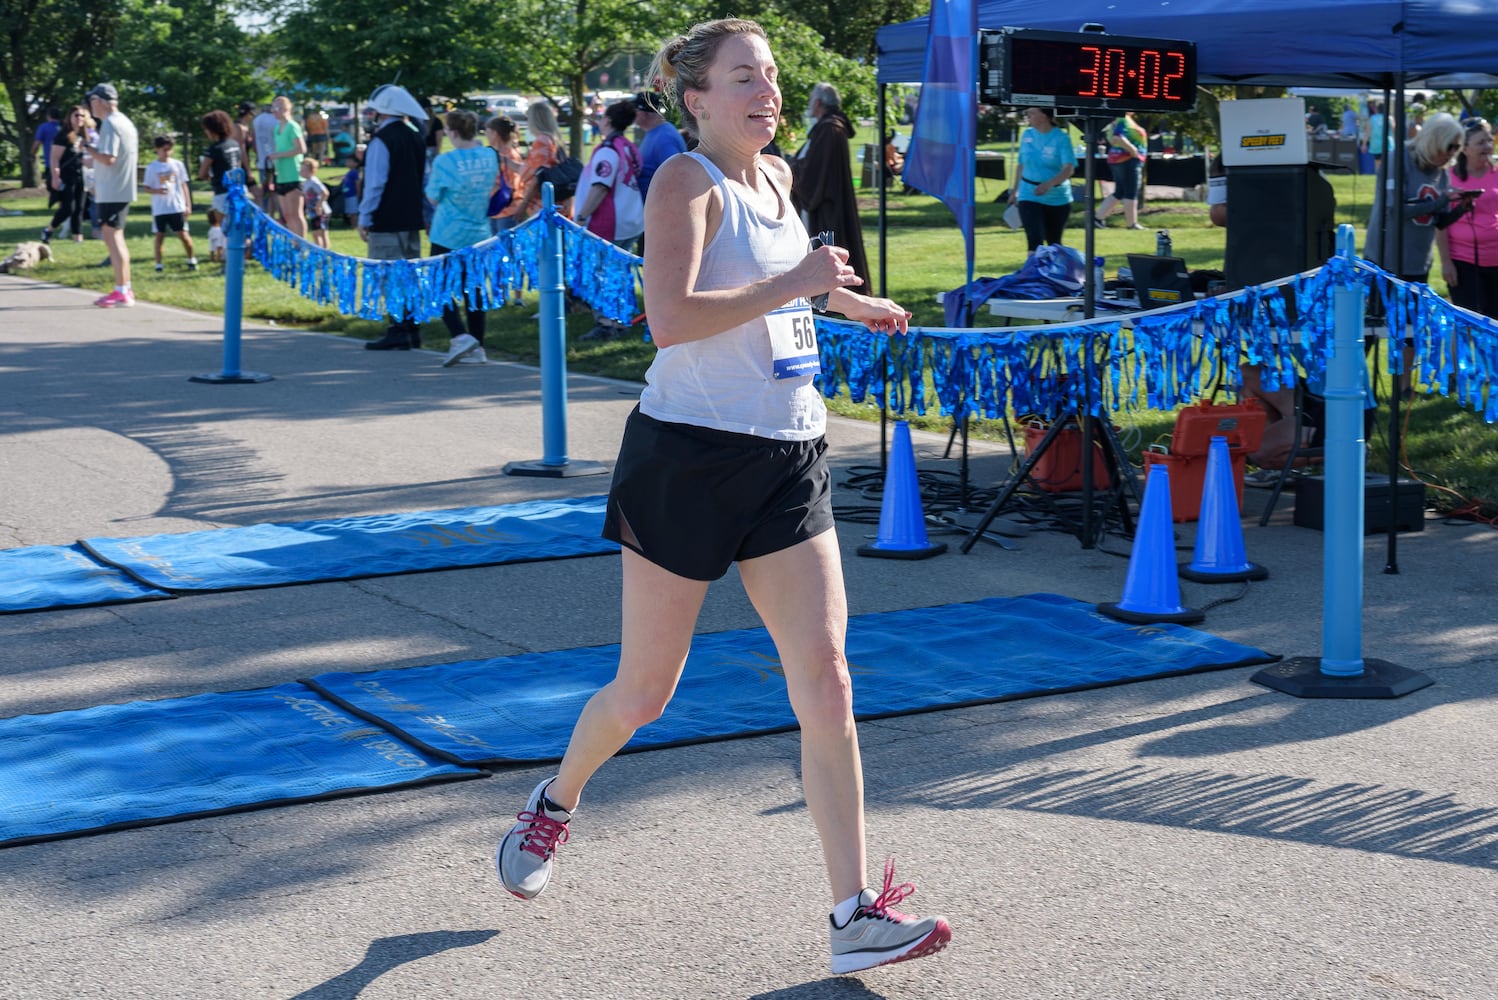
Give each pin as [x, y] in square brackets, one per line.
[1323, 43]
[1330, 43]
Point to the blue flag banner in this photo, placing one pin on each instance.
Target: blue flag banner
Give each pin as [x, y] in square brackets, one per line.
[945, 138]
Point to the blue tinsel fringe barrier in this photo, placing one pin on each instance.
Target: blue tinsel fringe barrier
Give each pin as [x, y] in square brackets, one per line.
[1101, 366]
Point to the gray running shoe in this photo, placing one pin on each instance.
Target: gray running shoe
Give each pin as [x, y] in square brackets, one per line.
[524, 855]
[877, 934]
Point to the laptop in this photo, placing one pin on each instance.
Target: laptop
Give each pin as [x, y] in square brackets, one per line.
[1160, 281]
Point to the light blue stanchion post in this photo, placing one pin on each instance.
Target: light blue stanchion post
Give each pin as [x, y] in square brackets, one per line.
[234, 237]
[1341, 671]
[554, 461]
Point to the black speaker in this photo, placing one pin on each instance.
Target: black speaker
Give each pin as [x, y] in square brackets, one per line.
[1281, 221]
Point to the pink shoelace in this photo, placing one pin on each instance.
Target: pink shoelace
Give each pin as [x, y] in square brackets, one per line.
[883, 904]
[544, 835]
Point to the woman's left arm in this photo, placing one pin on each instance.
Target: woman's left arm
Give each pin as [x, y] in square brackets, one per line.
[879, 315]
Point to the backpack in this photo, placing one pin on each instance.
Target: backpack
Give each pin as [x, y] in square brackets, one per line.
[563, 175]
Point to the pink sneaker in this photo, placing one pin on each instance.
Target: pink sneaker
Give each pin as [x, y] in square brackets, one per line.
[116, 299]
[878, 934]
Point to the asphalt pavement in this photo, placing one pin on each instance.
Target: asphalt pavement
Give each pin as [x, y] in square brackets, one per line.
[1200, 836]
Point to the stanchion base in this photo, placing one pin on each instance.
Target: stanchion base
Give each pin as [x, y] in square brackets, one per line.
[1253, 572]
[567, 470]
[243, 378]
[1301, 676]
[920, 552]
[1185, 616]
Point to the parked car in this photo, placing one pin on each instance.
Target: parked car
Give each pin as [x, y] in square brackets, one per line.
[512, 106]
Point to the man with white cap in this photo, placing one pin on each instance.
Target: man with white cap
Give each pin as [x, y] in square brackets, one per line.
[390, 219]
[114, 153]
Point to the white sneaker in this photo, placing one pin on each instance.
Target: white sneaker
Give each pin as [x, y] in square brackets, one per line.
[877, 934]
[477, 357]
[462, 344]
[523, 859]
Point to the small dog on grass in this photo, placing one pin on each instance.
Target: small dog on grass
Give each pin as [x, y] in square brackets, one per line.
[26, 256]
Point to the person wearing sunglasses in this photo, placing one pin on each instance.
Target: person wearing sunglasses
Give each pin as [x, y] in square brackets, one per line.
[1469, 249]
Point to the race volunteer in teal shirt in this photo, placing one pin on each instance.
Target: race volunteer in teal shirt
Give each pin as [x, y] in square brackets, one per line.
[1043, 189]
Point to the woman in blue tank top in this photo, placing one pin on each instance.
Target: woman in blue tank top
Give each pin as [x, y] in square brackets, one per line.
[725, 461]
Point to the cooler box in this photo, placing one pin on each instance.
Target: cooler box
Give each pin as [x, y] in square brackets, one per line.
[1059, 469]
[1241, 423]
[1188, 477]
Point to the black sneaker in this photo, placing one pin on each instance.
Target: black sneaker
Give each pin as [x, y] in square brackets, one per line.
[1099, 223]
[46, 234]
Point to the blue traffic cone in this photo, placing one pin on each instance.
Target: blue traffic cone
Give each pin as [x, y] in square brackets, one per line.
[1151, 591]
[1219, 555]
[902, 524]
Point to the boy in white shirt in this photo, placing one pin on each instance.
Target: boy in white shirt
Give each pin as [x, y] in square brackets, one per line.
[315, 200]
[217, 243]
[171, 200]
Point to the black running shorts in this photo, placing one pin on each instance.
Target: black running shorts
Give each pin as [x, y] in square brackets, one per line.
[695, 499]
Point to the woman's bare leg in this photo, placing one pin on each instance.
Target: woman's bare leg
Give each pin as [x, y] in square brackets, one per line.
[799, 594]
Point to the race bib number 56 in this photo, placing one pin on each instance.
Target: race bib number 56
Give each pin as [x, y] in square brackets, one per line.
[793, 341]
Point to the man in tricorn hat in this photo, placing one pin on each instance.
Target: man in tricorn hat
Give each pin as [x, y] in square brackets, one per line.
[390, 207]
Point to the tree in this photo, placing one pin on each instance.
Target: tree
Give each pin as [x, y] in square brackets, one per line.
[849, 30]
[345, 47]
[551, 46]
[174, 60]
[52, 52]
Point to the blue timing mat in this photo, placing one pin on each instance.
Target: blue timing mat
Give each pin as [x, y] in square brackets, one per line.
[120, 766]
[521, 708]
[42, 577]
[271, 555]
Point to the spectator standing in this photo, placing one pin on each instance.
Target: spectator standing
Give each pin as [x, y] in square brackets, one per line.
[114, 154]
[545, 151]
[433, 140]
[1469, 247]
[1127, 142]
[823, 191]
[41, 143]
[224, 154]
[263, 128]
[351, 185]
[612, 206]
[1349, 129]
[504, 139]
[65, 173]
[1043, 192]
[1380, 136]
[461, 181]
[244, 132]
[315, 202]
[165, 179]
[291, 146]
[315, 125]
[660, 140]
[1428, 204]
[390, 205]
[725, 462]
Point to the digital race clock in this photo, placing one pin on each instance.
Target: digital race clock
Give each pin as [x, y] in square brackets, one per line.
[1024, 66]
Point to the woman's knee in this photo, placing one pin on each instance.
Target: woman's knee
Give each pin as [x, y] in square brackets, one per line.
[637, 705]
[823, 696]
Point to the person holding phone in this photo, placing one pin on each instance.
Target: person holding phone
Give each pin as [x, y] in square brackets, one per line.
[724, 461]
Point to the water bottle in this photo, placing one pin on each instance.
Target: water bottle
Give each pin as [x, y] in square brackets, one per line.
[1162, 243]
[1097, 274]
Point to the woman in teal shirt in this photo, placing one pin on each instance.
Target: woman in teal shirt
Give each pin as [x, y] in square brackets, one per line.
[291, 146]
[1043, 190]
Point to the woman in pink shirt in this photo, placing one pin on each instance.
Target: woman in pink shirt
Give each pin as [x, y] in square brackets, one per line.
[1469, 246]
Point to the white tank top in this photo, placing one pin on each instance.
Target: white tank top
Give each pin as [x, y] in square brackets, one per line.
[726, 381]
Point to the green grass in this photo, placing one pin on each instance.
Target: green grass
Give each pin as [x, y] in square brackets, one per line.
[1445, 444]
